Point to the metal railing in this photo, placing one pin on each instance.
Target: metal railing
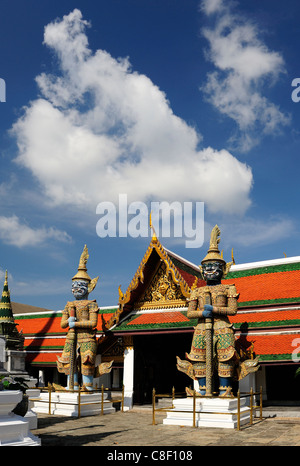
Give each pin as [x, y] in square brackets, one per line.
[155, 395]
[252, 408]
[50, 389]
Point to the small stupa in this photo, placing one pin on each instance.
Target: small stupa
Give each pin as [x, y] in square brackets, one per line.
[12, 354]
[8, 326]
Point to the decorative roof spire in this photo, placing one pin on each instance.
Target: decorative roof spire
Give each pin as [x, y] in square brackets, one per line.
[6, 314]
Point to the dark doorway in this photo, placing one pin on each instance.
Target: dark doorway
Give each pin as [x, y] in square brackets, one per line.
[155, 364]
[282, 384]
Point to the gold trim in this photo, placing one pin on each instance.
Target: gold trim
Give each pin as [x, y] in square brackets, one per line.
[161, 304]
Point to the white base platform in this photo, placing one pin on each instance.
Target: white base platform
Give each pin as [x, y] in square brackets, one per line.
[66, 404]
[207, 412]
[14, 429]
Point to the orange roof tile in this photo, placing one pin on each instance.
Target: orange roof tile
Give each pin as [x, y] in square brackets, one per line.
[158, 318]
[40, 358]
[38, 342]
[269, 286]
[266, 316]
[274, 344]
[39, 324]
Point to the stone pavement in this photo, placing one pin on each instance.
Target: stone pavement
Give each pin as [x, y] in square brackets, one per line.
[134, 428]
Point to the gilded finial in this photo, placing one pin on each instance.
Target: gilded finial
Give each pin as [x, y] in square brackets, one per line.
[154, 237]
[232, 258]
[121, 294]
[229, 264]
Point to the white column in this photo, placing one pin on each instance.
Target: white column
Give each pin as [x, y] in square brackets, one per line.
[128, 373]
[41, 378]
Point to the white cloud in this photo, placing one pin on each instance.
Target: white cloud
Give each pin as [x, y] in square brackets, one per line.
[211, 6]
[250, 232]
[15, 233]
[244, 64]
[100, 129]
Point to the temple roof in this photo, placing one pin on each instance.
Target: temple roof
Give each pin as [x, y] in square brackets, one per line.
[268, 307]
[273, 282]
[177, 318]
[20, 308]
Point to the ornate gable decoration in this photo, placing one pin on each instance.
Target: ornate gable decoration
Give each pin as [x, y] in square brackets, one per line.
[139, 275]
[162, 292]
[158, 290]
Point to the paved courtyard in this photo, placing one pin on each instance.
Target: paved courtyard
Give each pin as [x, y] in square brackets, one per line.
[134, 428]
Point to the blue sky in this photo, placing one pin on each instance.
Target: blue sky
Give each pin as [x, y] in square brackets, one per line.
[169, 100]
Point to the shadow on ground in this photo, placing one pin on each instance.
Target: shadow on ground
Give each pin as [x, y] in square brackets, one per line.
[73, 440]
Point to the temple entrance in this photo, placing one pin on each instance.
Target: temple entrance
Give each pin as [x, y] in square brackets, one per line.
[282, 385]
[155, 364]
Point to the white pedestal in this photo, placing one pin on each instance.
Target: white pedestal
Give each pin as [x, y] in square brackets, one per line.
[31, 416]
[207, 412]
[14, 430]
[66, 404]
[128, 377]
